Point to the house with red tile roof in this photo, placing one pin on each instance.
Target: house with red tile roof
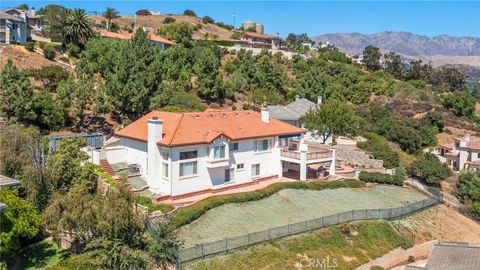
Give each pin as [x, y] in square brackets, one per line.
[257, 40]
[462, 153]
[156, 40]
[185, 153]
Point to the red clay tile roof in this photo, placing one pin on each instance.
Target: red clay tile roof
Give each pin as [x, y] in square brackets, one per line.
[257, 35]
[473, 142]
[129, 36]
[447, 145]
[204, 127]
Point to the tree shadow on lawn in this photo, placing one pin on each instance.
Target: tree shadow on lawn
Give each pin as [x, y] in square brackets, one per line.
[42, 254]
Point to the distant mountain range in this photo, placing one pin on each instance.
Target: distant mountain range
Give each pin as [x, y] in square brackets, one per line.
[405, 43]
[463, 52]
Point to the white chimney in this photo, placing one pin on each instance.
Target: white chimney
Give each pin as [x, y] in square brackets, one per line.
[319, 101]
[265, 113]
[155, 131]
[297, 97]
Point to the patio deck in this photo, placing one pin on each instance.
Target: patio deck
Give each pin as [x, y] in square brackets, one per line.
[189, 199]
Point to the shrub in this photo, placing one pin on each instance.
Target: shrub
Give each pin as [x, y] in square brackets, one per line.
[147, 202]
[468, 186]
[168, 20]
[377, 146]
[73, 50]
[143, 12]
[190, 213]
[207, 19]
[49, 52]
[30, 46]
[430, 169]
[381, 178]
[189, 12]
[42, 44]
[475, 211]
[64, 59]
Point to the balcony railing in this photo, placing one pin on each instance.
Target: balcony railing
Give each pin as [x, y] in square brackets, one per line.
[317, 154]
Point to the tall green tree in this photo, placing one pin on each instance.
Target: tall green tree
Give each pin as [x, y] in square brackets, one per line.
[393, 64]
[19, 221]
[16, 92]
[333, 118]
[54, 17]
[109, 14]
[209, 82]
[78, 27]
[179, 32]
[371, 58]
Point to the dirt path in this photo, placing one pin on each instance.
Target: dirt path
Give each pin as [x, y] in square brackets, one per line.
[442, 223]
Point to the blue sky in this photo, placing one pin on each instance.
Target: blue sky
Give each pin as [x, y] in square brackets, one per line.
[456, 18]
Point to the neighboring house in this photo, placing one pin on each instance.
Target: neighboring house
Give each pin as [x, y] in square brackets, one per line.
[294, 112]
[256, 40]
[16, 26]
[462, 154]
[451, 256]
[7, 182]
[155, 40]
[180, 153]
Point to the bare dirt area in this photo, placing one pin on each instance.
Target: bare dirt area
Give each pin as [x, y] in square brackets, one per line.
[442, 223]
[24, 59]
[154, 22]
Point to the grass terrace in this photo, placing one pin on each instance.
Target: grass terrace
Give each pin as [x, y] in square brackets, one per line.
[290, 206]
[345, 246]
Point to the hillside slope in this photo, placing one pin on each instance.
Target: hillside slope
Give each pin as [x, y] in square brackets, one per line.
[153, 22]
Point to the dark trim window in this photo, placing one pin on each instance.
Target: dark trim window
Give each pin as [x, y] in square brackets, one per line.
[188, 155]
[241, 166]
[233, 146]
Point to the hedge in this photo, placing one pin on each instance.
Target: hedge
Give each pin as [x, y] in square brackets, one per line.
[190, 213]
[381, 178]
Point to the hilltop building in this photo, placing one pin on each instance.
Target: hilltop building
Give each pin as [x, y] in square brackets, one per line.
[156, 40]
[294, 112]
[191, 153]
[16, 25]
[462, 154]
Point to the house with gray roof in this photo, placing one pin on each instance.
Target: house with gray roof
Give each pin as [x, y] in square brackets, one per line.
[451, 256]
[294, 112]
[16, 25]
[7, 182]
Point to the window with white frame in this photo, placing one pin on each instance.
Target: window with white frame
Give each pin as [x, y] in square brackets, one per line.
[188, 168]
[233, 146]
[165, 170]
[219, 152]
[255, 170]
[262, 145]
[241, 166]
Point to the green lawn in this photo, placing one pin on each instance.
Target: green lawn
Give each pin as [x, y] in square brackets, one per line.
[290, 206]
[344, 246]
[42, 255]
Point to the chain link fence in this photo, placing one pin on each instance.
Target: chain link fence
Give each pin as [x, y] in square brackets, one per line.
[228, 244]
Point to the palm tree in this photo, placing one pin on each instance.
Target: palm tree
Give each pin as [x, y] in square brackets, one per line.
[110, 14]
[78, 27]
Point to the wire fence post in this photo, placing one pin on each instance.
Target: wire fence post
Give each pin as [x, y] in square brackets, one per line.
[305, 226]
[288, 229]
[177, 261]
[248, 239]
[202, 252]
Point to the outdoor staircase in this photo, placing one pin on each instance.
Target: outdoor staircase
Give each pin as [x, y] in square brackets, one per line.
[107, 167]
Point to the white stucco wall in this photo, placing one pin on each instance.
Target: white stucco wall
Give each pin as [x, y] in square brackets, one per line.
[135, 152]
[207, 178]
